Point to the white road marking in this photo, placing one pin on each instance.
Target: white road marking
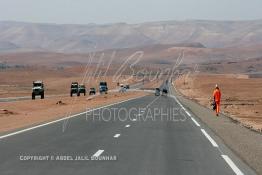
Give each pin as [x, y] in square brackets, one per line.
[127, 126]
[65, 118]
[209, 138]
[98, 153]
[116, 136]
[174, 97]
[232, 165]
[142, 110]
[195, 121]
[188, 113]
[134, 119]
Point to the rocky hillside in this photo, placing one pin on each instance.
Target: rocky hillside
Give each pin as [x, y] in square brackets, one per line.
[17, 36]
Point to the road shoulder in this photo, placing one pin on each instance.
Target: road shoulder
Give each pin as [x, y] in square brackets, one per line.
[245, 143]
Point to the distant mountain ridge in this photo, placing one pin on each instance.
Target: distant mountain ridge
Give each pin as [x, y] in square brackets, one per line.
[20, 36]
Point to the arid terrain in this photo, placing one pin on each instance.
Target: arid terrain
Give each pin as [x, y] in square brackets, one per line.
[126, 87]
[20, 114]
[241, 95]
[61, 54]
[17, 82]
[20, 36]
[58, 70]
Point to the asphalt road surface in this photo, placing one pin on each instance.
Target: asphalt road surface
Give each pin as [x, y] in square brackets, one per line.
[157, 137]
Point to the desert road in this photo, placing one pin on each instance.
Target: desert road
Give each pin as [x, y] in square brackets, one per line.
[141, 143]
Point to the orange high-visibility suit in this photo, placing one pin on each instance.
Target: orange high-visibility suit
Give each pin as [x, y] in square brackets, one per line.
[217, 97]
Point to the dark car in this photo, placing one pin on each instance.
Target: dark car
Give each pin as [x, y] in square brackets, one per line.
[74, 89]
[81, 89]
[164, 91]
[127, 86]
[103, 87]
[92, 91]
[157, 92]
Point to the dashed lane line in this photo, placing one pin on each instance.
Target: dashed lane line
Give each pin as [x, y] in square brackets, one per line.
[117, 135]
[98, 153]
[209, 138]
[232, 165]
[195, 121]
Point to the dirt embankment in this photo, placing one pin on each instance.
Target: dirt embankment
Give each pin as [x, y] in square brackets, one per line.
[241, 96]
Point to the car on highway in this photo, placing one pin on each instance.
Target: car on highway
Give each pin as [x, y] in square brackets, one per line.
[157, 92]
[74, 89]
[38, 89]
[164, 91]
[82, 89]
[92, 91]
[103, 87]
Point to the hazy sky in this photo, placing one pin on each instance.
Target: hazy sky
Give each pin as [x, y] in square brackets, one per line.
[130, 11]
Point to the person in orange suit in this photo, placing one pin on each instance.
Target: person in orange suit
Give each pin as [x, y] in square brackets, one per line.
[217, 98]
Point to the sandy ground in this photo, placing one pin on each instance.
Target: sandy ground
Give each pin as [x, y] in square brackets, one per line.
[241, 96]
[18, 82]
[19, 114]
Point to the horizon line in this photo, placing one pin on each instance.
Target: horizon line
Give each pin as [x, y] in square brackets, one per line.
[126, 23]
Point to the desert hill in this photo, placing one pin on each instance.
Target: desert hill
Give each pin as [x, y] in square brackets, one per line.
[19, 36]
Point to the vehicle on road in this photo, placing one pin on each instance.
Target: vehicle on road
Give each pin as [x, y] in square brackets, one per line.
[82, 89]
[74, 89]
[103, 87]
[122, 89]
[164, 91]
[92, 91]
[157, 92]
[38, 89]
